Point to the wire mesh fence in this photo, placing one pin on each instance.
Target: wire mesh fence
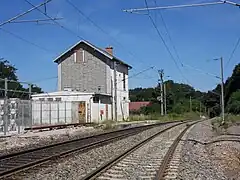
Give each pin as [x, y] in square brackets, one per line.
[54, 112]
[16, 114]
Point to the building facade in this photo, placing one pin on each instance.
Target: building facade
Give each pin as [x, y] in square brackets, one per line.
[66, 107]
[87, 68]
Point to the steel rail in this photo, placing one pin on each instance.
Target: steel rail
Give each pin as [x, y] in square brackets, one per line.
[94, 174]
[169, 155]
[13, 163]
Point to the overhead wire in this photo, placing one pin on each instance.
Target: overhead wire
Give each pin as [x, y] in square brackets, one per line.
[138, 73]
[165, 44]
[67, 29]
[103, 31]
[168, 33]
[25, 40]
[24, 13]
[233, 52]
[54, 21]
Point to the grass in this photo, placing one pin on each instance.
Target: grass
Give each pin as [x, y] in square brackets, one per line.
[169, 117]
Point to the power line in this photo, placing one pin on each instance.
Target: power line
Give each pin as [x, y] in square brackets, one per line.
[101, 29]
[232, 53]
[34, 20]
[54, 21]
[44, 79]
[134, 75]
[25, 40]
[203, 72]
[168, 33]
[164, 42]
[176, 6]
[24, 13]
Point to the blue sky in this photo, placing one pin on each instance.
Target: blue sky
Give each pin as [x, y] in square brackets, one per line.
[199, 35]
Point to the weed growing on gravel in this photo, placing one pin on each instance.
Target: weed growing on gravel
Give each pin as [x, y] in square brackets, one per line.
[108, 125]
[230, 120]
[169, 117]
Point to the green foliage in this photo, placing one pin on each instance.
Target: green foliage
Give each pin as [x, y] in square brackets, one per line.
[233, 83]
[9, 71]
[211, 99]
[178, 96]
[169, 117]
[234, 103]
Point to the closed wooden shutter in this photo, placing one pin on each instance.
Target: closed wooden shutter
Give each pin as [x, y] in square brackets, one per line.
[79, 56]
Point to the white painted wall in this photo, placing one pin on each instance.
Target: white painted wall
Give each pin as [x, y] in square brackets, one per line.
[59, 76]
[122, 95]
[72, 100]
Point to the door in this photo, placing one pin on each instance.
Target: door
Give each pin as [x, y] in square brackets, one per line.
[82, 111]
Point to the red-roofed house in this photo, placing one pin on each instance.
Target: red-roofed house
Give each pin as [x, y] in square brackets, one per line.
[135, 106]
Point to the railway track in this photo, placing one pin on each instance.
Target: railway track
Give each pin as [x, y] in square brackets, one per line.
[153, 158]
[13, 163]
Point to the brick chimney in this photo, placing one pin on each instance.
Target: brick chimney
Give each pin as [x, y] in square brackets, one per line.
[109, 49]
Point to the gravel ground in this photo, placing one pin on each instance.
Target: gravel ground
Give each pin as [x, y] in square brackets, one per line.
[202, 158]
[79, 164]
[145, 161]
[36, 139]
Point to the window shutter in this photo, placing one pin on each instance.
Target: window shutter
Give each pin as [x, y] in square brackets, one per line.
[79, 56]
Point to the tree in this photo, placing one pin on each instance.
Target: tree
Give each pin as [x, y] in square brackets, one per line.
[9, 71]
[233, 83]
[177, 97]
[234, 103]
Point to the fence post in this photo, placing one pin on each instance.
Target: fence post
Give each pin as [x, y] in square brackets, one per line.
[17, 116]
[58, 111]
[30, 105]
[65, 112]
[41, 112]
[5, 116]
[5, 107]
[50, 113]
[22, 110]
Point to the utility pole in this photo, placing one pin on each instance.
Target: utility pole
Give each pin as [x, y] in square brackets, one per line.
[161, 73]
[165, 99]
[115, 89]
[5, 107]
[222, 92]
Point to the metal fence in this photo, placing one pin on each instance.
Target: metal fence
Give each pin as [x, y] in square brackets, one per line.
[54, 112]
[16, 114]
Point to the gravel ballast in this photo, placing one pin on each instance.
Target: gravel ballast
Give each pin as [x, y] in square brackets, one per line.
[35, 139]
[145, 162]
[31, 140]
[203, 157]
[78, 165]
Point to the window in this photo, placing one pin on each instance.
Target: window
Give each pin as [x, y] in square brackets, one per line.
[50, 99]
[58, 99]
[124, 98]
[124, 82]
[95, 99]
[41, 99]
[79, 56]
[12, 105]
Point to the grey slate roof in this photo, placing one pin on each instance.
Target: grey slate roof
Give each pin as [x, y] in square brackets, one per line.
[105, 53]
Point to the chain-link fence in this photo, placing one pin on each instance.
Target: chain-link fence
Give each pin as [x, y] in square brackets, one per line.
[16, 114]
